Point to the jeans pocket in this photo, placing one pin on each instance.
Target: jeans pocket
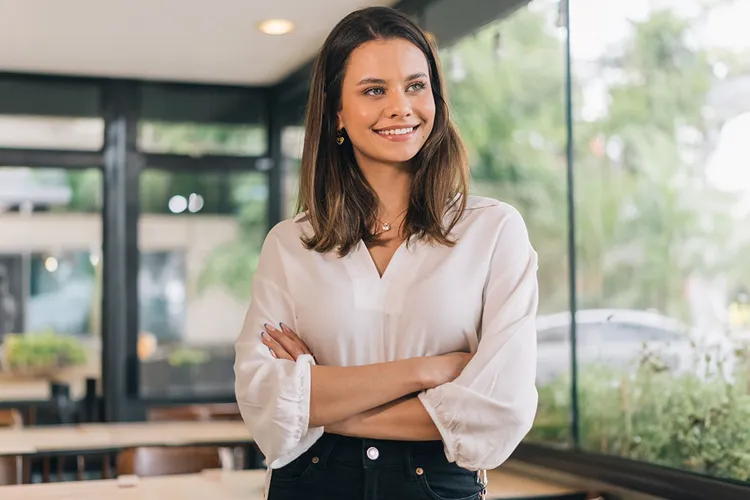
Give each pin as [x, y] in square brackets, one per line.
[449, 482]
[297, 469]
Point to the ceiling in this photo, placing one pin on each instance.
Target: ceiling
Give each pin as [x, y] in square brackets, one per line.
[197, 41]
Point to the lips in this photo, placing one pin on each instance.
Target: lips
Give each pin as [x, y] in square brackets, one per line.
[399, 134]
[398, 131]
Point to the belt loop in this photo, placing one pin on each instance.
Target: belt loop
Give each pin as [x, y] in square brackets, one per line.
[411, 475]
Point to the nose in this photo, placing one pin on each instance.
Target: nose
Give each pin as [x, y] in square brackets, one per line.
[398, 105]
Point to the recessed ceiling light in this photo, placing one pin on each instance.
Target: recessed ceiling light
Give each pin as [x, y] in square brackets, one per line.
[276, 26]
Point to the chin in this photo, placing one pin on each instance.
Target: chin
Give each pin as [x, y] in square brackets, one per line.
[402, 156]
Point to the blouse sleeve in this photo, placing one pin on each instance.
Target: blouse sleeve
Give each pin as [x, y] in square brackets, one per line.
[484, 414]
[273, 394]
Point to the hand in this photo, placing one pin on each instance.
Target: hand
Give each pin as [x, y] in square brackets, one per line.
[446, 368]
[284, 343]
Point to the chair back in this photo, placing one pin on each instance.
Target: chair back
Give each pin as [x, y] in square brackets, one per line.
[10, 417]
[10, 470]
[162, 461]
[179, 413]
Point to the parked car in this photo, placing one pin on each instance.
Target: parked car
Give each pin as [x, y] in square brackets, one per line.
[617, 337]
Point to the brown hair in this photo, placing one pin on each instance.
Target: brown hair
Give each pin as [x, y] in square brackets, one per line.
[341, 204]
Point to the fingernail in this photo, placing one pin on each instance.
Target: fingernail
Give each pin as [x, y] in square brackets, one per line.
[272, 353]
[268, 327]
[281, 325]
[262, 334]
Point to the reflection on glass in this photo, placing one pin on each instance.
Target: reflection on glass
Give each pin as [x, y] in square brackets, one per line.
[506, 85]
[51, 132]
[292, 140]
[663, 230]
[50, 280]
[200, 236]
[198, 139]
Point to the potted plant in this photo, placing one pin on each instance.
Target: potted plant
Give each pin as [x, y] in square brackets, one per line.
[40, 355]
[185, 364]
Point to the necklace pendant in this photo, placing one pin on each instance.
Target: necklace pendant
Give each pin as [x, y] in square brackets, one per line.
[386, 227]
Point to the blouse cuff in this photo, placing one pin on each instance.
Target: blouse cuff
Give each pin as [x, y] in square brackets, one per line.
[303, 378]
[443, 418]
[292, 413]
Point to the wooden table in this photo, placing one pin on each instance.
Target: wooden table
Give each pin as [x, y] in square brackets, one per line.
[216, 485]
[91, 438]
[506, 485]
[239, 485]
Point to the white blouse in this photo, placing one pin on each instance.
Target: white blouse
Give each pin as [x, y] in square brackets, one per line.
[479, 296]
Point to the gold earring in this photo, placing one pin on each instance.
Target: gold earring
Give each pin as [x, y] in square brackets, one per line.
[339, 139]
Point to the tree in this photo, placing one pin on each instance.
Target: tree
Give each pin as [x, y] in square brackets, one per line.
[506, 87]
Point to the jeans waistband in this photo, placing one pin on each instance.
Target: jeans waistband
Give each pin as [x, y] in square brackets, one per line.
[379, 452]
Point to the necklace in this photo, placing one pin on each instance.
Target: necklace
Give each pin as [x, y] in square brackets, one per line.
[386, 226]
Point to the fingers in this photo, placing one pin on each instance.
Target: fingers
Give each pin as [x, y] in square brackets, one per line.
[292, 335]
[289, 343]
[276, 349]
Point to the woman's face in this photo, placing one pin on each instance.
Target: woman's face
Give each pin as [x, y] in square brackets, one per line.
[387, 107]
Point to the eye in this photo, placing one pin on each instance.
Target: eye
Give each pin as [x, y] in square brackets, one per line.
[417, 86]
[376, 91]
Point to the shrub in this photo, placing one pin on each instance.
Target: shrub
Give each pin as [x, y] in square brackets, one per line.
[187, 356]
[45, 351]
[694, 421]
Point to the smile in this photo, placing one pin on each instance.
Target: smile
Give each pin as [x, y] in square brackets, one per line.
[398, 134]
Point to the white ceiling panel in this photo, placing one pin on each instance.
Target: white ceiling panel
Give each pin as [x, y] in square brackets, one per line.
[198, 41]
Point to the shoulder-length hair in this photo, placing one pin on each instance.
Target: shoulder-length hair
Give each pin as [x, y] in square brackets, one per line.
[340, 203]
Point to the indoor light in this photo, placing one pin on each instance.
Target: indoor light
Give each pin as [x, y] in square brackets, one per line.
[276, 26]
[51, 264]
[177, 204]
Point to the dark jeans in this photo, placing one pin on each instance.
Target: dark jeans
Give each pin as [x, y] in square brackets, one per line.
[343, 468]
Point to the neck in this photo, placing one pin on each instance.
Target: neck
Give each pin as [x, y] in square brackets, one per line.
[392, 184]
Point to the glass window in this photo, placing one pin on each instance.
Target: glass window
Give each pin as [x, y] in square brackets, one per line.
[506, 85]
[662, 121]
[197, 139]
[51, 132]
[200, 236]
[292, 142]
[50, 280]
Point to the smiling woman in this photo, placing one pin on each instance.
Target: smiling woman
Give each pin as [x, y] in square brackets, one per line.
[377, 100]
[389, 348]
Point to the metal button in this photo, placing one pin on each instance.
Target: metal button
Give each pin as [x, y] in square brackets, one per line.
[420, 471]
[315, 460]
[372, 453]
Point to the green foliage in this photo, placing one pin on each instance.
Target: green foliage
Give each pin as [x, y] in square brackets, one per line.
[695, 421]
[232, 265]
[200, 139]
[506, 87]
[42, 351]
[187, 356]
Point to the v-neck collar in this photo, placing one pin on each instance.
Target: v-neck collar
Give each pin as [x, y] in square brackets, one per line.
[371, 269]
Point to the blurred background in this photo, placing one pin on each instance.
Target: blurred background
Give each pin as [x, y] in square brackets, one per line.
[146, 147]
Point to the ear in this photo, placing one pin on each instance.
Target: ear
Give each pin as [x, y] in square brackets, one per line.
[339, 121]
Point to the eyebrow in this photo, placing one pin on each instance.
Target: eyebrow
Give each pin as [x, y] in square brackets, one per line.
[380, 81]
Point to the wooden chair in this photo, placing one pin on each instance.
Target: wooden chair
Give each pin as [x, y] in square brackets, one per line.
[225, 411]
[162, 461]
[234, 458]
[11, 467]
[10, 417]
[179, 413]
[10, 470]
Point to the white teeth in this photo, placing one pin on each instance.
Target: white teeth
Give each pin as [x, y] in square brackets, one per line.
[398, 131]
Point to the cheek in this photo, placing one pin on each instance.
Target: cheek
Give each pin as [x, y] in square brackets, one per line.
[359, 118]
[427, 109]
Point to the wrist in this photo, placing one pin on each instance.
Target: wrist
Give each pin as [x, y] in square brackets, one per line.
[425, 373]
